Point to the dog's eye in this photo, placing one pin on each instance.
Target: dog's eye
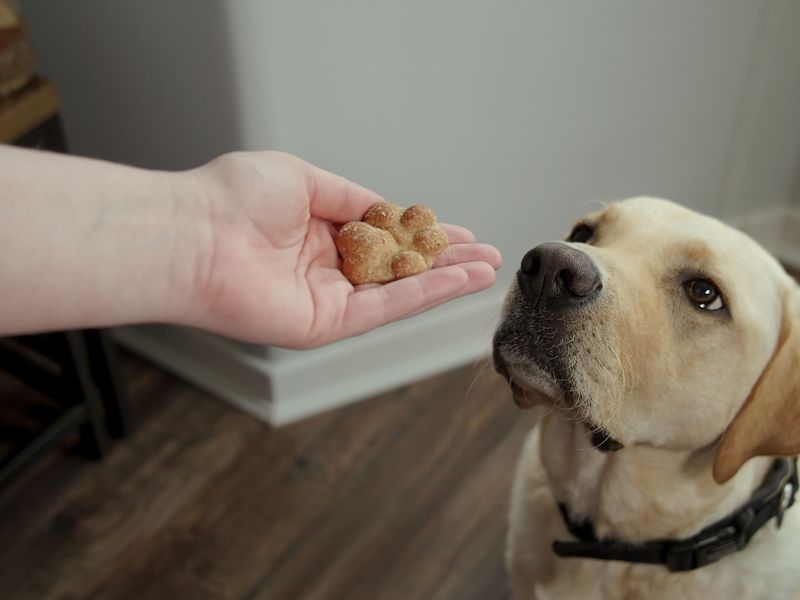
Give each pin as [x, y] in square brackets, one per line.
[581, 234]
[704, 294]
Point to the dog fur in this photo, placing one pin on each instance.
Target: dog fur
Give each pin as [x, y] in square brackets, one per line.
[699, 400]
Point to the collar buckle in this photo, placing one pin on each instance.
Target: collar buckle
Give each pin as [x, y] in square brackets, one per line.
[699, 552]
[707, 548]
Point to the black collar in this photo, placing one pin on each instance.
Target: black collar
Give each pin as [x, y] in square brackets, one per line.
[730, 534]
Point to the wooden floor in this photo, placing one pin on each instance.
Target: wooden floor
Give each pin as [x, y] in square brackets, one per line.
[400, 497]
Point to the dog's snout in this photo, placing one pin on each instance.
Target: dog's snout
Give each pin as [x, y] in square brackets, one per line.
[558, 274]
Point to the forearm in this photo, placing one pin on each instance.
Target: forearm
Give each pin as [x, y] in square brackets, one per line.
[89, 243]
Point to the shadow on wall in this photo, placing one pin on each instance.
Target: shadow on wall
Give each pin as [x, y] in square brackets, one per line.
[122, 79]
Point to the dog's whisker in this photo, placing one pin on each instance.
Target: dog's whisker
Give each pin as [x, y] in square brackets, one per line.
[485, 365]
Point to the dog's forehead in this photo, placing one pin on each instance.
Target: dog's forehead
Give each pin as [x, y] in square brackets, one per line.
[686, 233]
[654, 215]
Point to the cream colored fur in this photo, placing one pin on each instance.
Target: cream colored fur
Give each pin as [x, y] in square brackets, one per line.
[666, 380]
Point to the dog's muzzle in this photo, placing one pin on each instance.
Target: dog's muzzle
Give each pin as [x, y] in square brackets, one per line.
[555, 281]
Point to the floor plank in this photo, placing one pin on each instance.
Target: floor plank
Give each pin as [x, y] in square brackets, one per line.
[402, 496]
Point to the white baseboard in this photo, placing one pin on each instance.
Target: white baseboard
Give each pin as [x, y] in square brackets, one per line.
[281, 387]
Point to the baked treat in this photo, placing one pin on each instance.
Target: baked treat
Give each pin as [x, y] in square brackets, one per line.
[389, 243]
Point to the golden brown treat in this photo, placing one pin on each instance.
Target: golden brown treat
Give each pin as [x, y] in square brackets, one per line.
[390, 243]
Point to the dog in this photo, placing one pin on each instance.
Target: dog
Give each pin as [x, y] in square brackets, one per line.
[662, 348]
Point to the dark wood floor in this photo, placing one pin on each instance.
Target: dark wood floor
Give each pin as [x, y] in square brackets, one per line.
[403, 496]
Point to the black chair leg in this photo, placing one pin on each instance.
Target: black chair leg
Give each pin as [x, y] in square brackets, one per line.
[94, 439]
[104, 366]
[78, 370]
[42, 443]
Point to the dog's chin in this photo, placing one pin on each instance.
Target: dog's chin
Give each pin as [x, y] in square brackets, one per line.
[526, 397]
[532, 385]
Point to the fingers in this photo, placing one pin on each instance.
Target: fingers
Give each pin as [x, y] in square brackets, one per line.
[457, 234]
[340, 200]
[372, 307]
[481, 277]
[335, 198]
[462, 253]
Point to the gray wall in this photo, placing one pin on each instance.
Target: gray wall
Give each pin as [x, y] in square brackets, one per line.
[148, 83]
[795, 196]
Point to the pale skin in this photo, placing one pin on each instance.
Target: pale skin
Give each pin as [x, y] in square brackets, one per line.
[242, 246]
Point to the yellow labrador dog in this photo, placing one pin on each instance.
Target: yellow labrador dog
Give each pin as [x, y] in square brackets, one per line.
[664, 348]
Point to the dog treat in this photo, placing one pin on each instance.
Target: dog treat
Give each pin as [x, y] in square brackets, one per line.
[389, 243]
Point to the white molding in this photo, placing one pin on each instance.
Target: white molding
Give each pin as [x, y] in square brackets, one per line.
[283, 386]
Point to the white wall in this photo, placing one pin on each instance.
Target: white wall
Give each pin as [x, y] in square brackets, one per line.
[796, 189]
[764, 156]
[526, 109]
[508, 116]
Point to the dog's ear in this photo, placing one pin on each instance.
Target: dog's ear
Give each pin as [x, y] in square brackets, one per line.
[768, 424]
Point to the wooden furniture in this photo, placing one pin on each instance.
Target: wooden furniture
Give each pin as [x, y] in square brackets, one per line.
[17, 58]
[75, 371]
[27, 111]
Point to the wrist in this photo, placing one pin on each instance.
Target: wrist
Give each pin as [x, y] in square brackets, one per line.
[188, 245]
[210, 229]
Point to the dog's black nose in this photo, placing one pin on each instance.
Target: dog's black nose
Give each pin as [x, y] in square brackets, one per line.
[559, 275]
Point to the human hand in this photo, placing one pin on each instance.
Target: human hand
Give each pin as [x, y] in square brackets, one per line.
[266, 267]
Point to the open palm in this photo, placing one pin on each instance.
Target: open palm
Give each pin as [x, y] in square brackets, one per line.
[270, 272]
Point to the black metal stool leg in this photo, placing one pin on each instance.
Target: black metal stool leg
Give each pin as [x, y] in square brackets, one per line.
[95, 435]
[42, 443]
[104, 366]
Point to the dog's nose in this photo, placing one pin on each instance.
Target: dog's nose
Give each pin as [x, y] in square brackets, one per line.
[558, 274]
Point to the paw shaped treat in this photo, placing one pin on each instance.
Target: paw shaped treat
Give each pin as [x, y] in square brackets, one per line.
[389, 243]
